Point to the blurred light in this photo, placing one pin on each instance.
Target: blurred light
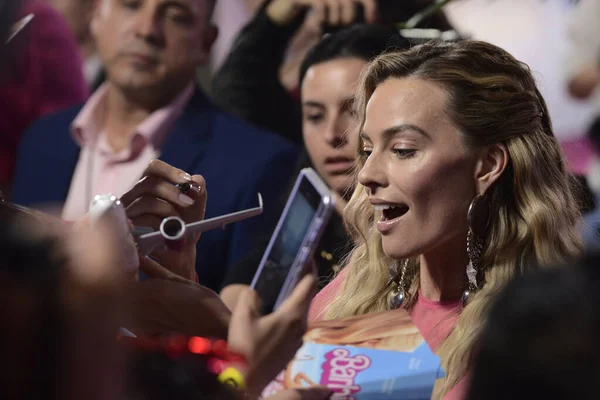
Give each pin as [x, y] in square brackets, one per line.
[220, 348]
[198, 345]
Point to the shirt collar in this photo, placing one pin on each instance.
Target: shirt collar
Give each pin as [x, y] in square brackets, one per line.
[88, 125]
[156, 126]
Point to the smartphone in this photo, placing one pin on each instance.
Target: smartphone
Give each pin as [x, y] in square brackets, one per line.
[298, 232]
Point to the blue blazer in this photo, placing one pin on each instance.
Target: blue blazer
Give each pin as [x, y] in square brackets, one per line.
[237, 160]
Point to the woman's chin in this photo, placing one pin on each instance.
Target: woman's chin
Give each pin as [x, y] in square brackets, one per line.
[396, 253]
[340, 183]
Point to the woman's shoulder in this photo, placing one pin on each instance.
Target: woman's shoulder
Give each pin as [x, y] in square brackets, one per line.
[325, 296]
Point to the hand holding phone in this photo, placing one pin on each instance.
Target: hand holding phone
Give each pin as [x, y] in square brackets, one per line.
[269, 342]
[294, 241]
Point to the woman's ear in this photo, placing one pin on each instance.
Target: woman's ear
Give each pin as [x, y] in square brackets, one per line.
[490, 166]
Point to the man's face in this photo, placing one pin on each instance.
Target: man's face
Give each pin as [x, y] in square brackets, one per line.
[153, 46]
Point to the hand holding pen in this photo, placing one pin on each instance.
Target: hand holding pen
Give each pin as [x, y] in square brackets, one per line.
[154, 198]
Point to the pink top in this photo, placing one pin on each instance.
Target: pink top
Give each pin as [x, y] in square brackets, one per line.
[100, 169]
[434, 319]
[43, 76]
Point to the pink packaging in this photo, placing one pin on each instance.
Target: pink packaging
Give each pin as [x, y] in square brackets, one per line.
[375, 356]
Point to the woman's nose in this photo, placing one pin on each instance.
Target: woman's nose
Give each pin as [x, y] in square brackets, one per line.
[336, 133]
[372, 174]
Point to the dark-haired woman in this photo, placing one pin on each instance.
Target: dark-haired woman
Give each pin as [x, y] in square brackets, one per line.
[328, 79]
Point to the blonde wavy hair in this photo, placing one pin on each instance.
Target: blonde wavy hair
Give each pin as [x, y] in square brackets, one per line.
[492, 98]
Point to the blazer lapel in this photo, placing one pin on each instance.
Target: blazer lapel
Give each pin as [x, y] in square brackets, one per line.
[63, 158]
[187, 142]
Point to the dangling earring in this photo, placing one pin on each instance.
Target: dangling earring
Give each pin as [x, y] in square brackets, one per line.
[399, 293]
[478, 219]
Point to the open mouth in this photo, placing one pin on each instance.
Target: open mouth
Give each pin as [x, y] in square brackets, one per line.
[390, 212]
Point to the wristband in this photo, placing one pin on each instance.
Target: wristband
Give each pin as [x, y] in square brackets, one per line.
[232, 377]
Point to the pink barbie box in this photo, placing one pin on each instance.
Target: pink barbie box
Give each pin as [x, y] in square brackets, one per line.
[377, 356]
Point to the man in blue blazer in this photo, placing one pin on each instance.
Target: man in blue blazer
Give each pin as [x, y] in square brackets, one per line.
[150, 108]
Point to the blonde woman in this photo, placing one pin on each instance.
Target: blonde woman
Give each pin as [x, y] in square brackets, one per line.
[462, 186]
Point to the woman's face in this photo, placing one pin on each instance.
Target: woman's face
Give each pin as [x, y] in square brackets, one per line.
[327, 118]
[417, 169]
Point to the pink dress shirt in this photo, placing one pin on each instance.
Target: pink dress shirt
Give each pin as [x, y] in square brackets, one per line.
[434, 319]
[102, 170]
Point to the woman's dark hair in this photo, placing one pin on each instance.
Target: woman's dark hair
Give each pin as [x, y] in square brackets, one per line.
[541, 337]
[361, 41]
[30, 275]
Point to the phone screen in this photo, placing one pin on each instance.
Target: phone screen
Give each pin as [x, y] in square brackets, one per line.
[286, 244]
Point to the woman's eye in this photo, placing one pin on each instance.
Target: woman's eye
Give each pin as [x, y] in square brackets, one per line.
[365, 153]
[132, 4]
[404, 153]
[181, 18]
[314, 118]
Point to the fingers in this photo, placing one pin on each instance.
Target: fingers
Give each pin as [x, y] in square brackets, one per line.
[155, 186]
[154, 270]
[371, 12]
[315, 393]
[340, 12]
[152, 206]
[231, 294]
[299, 301]
[93, 253]
[318, 12]
[312, 267]
[199, 195]
[242, 324]
[148, 220]
[156, 196]
[197, 187]
[347, 11]
[167, 172]
[334, 11]
[248, 305]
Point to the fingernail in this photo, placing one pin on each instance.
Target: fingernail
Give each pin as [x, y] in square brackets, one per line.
[196, 188]
[185, 176]
[186, 199]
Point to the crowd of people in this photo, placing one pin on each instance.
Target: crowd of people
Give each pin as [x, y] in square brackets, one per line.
[454, 199]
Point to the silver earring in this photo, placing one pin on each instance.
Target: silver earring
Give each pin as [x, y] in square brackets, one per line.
[399, 293]
[478, 219]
